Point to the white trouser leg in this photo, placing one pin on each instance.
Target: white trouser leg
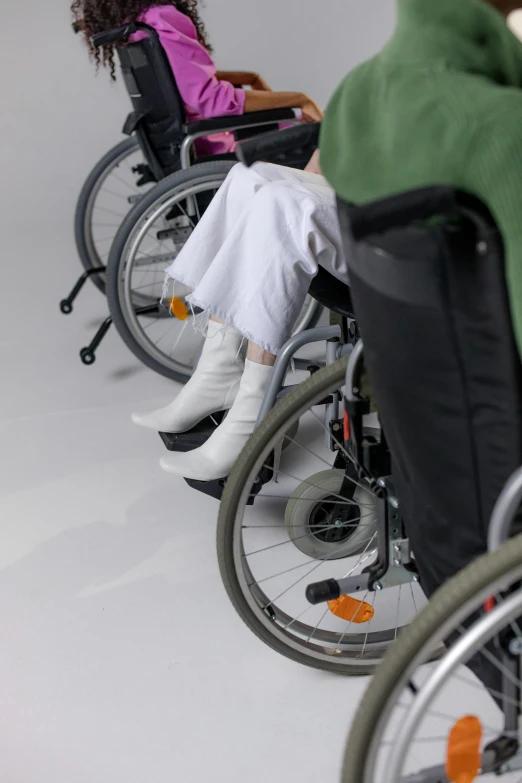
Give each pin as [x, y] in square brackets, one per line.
[225, 209]
[253, 255]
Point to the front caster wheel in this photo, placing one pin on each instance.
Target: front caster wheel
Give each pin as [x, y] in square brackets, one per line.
[87, 356]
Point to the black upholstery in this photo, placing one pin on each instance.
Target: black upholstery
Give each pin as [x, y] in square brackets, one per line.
[332, 294]
[159, 114]
[432, 307]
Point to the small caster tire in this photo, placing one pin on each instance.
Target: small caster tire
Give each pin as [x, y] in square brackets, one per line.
[66, 307]
[87, 356]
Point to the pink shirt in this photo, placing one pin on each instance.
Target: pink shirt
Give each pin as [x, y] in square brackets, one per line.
[202, 93]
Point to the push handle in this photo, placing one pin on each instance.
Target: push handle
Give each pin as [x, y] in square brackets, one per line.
[269, 144]
[113, 35]
[400, 211]
[122, 33]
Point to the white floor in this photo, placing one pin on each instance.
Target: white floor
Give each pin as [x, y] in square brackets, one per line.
[121, 659]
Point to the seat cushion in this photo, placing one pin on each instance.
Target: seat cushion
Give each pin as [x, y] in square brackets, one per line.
[332, 294]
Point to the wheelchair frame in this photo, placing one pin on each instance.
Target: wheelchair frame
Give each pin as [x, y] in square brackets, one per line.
[393, 564]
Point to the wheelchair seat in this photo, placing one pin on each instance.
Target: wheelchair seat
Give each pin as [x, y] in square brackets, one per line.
[432, 306]
[332, 294]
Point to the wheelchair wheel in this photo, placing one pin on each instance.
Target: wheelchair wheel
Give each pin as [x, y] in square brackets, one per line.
[266, 566]
[150, 238]
[117, 181]
[421, 723]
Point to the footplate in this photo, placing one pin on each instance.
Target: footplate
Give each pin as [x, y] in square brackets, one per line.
[194, 438]
[215, 489]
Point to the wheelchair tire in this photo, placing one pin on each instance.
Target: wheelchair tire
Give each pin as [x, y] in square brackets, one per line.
[485, 577]
[85, 243]
[122, 304]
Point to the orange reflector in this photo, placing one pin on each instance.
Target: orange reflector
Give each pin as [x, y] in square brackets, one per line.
[178, 308]
[350, 609]
[464, 760]
[489, 605]
[346, 427]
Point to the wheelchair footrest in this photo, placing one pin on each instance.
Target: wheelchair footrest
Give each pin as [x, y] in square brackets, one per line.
[194, 438]
[214, 489]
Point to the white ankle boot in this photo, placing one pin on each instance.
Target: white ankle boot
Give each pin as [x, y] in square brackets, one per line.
[215, 459]
[212, 388]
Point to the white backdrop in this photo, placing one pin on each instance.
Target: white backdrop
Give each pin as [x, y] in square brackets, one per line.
[58, 118]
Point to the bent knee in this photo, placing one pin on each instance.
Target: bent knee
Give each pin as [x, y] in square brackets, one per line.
[247, 181]
[268, 171]
[282, 193]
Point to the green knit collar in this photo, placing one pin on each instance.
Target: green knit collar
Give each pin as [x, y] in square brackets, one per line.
[468, 35]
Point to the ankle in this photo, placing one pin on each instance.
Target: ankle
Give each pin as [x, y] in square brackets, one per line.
[258, 355]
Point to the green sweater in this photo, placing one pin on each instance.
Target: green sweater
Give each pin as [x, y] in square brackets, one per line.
[440, 105]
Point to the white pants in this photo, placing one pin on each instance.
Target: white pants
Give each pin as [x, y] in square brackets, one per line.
[259, 244]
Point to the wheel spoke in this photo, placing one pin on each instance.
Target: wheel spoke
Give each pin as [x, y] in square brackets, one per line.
[130, 185]
[109, 211]
[322, 459]
[311, 571]
[112, 193]
[332, 494]
[311, 533]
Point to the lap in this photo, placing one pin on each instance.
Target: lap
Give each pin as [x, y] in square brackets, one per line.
[271, 172]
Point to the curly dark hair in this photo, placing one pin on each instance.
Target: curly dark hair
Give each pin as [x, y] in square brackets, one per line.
[95, 16]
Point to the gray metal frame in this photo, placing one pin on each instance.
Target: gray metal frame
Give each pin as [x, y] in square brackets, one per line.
[189, 141]
[505, 510]
[284, 360]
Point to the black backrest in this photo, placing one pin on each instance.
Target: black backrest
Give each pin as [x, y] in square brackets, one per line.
[433, 310]
[159, 113]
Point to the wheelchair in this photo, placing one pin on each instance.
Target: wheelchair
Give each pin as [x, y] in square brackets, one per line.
[429, 264]
[125, 189]
[448, 439]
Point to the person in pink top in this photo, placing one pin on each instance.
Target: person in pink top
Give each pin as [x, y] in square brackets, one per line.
[205, 91]
[268, 215]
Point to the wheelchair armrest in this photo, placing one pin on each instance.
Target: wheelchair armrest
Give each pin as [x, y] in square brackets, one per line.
[269, 144]
[236, 122]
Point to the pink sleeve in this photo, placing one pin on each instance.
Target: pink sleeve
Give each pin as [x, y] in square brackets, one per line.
[202, 93]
